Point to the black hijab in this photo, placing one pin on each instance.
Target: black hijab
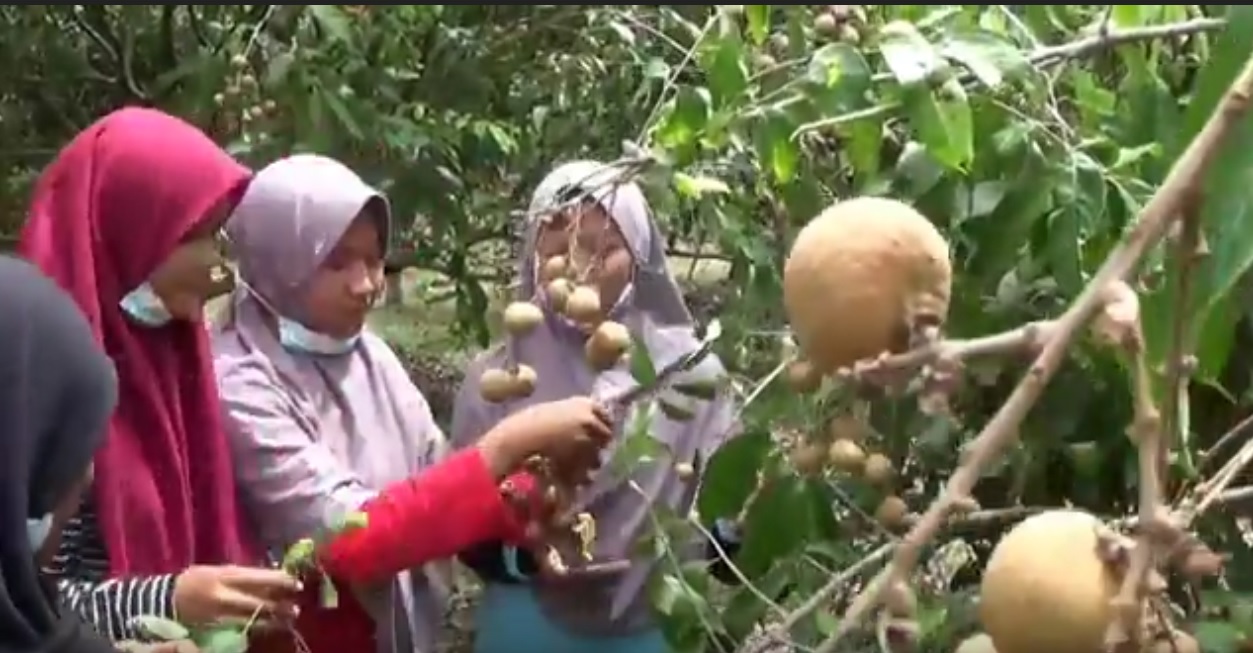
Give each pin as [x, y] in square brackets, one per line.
[57, 390]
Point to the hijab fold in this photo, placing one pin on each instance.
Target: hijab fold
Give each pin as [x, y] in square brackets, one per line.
[115, 203]
[57, 390]
[656, 315]
[316, 436]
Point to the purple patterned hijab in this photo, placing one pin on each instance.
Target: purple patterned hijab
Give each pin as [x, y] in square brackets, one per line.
[653, 309]
[314, 436]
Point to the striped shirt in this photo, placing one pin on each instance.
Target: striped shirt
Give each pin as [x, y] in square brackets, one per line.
[112, 606]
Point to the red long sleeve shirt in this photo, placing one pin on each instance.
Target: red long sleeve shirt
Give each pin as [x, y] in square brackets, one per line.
[428, 517]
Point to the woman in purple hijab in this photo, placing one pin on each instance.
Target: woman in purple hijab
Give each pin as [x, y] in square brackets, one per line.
[607, 613]
[324, 421]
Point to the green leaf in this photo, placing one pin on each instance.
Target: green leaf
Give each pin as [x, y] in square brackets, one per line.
[696, 187]
[988, 56]
[333, 21]
[328, 595]
[776, 525]
[908, 54]
[776, 148]
[342, 114]
[731, 474]
[162, 628]
[642, 368]
[223, 640]
[726, 73]
[758, 22]
[943, 122]
[637, 447]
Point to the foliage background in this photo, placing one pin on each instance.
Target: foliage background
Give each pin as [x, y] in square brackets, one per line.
[1030, 134]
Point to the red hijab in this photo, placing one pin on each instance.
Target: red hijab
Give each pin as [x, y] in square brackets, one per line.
[113, 205]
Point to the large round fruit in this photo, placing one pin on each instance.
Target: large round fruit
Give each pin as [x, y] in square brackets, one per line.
[1046, 589]
[860, 276]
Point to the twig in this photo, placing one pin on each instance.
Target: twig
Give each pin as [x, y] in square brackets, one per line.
[1188, 252]
[1002, 430]
[1232, 434]
[1146, 430]
[1025, 337]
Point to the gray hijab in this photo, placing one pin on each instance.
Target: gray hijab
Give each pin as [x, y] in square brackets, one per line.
[314, 436]
[654, 311]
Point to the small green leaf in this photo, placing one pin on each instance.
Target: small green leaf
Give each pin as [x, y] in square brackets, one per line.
[988, 56]
[706, 389]
[642, 368]
[161, 628]
[223, 640]
[639, 446]
[352, 521]
[674, 411]
[329, 596]
[943, 122]
[697, 187]
[908, 54]
[333, 21]
[299, 556]
[758, 22]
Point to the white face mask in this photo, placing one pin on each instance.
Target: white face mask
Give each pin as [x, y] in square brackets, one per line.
[144, 306]
[38, 530]
[298, 338]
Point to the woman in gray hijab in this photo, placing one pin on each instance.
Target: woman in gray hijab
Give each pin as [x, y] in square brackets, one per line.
[578, 612]
[323, 420]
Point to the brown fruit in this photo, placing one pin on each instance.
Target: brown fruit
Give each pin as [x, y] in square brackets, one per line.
[849, 34]
[523, 382]
[891, 513]
[977, 643]
[808, 458]
[802, 377]
[496, 385]
[583, 305]
[1182, 643]
[826, 25]
[847, 427]
[1046, 589]
[555, 267]
[239, 61]
[878, 469]
[522, 317]
[846, 456]
[558, 292]
[859, 276]
[900, 600]
[607, 345]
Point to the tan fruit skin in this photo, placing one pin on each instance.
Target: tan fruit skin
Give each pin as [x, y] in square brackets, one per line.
[856, 276]
[1045, 589]
[979, 643]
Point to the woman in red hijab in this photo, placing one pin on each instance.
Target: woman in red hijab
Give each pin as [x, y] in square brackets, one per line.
[126, 219]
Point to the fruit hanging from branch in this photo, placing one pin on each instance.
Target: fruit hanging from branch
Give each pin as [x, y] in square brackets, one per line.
[868, 275]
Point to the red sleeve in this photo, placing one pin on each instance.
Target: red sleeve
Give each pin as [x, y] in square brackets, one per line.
[436, 514]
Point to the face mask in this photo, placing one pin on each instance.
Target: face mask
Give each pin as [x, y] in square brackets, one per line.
[297, 337]
[37, 531]
[145, 307]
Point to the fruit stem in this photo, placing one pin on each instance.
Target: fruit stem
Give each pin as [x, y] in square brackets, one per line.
[1165, 207]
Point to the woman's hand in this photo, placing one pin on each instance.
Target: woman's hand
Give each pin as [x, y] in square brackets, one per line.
[205, 595]
[570, 432]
